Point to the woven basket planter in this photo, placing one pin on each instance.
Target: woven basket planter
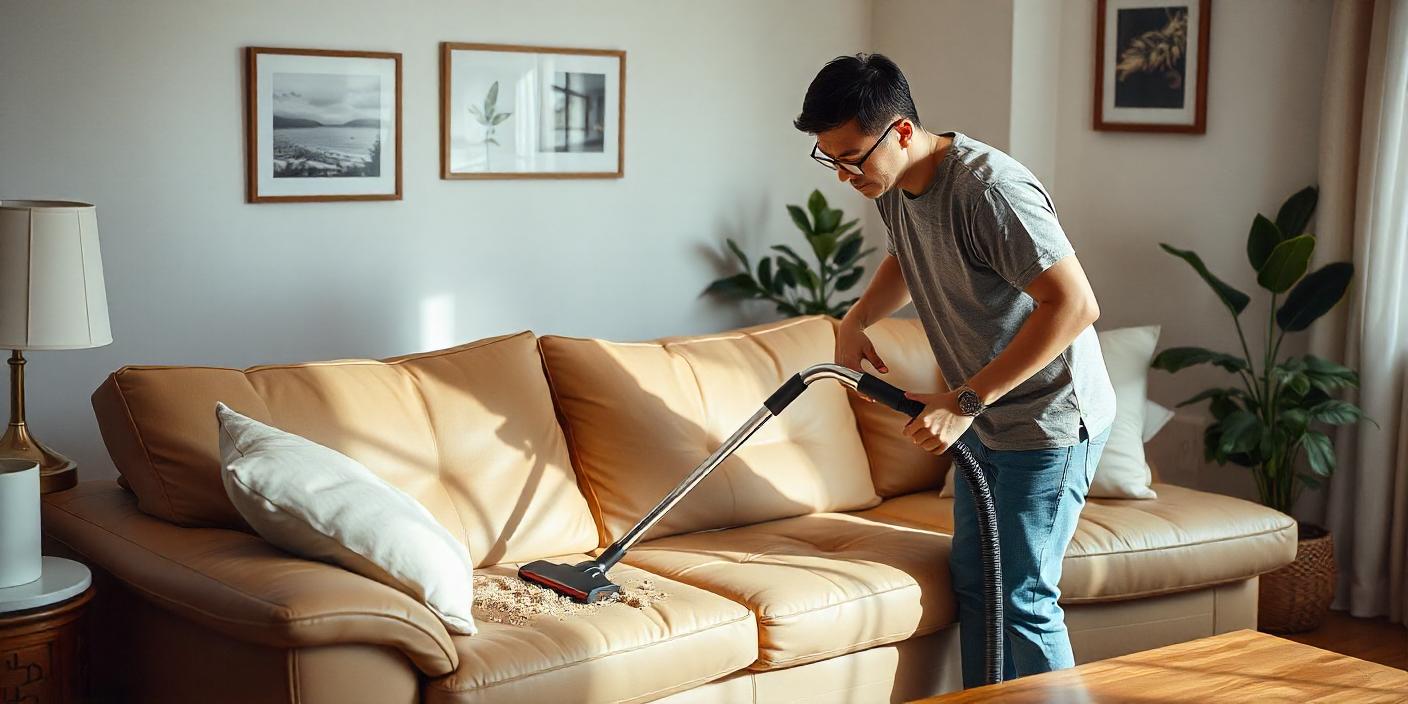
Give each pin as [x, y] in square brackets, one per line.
[1297, 597]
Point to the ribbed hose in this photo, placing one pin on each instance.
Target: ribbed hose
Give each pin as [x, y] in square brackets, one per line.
[990, 555]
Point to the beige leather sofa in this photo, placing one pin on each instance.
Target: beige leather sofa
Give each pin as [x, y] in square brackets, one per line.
[810, 567]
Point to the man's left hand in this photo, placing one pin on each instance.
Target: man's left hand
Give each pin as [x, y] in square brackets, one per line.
[940, 425]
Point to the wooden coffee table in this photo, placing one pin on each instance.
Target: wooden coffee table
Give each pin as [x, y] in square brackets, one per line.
[1242, 666]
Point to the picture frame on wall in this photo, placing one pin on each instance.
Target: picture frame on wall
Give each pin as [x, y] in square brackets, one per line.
[322, 125]
[515, 112]
[1151, 65]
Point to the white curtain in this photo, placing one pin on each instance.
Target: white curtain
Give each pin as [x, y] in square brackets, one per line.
[1363, 216]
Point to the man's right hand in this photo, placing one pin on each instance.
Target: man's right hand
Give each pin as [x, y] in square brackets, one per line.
[852, 346]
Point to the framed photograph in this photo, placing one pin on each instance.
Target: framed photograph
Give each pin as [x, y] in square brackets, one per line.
[1151, 65]
[531, 112]
[322, 125]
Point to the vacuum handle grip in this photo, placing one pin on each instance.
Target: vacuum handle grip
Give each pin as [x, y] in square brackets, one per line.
[891, 396]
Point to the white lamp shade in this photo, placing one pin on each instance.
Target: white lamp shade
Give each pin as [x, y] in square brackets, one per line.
[51, 277]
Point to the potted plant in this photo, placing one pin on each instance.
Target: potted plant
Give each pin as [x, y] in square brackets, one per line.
[788, 280]
[1277, 412]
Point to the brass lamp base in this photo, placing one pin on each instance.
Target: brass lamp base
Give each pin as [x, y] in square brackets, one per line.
[56, 472]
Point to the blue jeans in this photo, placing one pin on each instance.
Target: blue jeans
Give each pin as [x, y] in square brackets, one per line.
[1039, 495]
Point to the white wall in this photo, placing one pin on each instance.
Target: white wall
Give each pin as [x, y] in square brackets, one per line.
[137, 107]
[1120, 194]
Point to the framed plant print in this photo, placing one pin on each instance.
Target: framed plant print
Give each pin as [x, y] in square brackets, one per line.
[1151, 65]
[322, 125]
[511, 111]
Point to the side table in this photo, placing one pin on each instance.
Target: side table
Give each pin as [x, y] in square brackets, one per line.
[41, 648]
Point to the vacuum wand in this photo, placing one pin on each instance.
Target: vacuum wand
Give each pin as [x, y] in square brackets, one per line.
[587, 581]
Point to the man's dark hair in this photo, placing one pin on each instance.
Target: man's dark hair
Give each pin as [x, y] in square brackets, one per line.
[867, 87]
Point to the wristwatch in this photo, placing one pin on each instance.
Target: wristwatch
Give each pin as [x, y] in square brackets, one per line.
[969, 403]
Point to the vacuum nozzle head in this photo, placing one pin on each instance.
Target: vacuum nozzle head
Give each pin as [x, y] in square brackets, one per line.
[585, 582]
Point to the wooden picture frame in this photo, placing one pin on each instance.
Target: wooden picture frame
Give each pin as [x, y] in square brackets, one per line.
[575, 150]
[332, 148]
[1143, 99]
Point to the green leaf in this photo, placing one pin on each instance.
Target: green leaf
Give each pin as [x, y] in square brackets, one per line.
[1209, 393]
[1235, 300]
[846, 227]
[1319, 452]
[1328, 376]
[765, 273]
[1241, 431]
[816, 203]
[847, 249]
[788, 309]
[1263, 238]
[1294, 420]
[823, 245]
[1335, 412]
[501, 117]
[1175, 358]
[791, 253]
[785, 274]
[733, 246]
[1314, 296]
[828, 221]
[800, 218]
[1286, 264]
[1295, 213]
[1223, 406]
[491, 98]
[849, 279]
[736, 286]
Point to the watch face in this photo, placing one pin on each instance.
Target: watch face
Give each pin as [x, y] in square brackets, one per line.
[968, 403]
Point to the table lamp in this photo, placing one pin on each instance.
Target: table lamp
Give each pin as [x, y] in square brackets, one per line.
[51, 298]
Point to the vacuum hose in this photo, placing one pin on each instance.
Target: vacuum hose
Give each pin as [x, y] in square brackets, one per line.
[986, 512]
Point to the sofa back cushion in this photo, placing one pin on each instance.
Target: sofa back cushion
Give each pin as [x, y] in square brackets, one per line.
[897, 465]
[640, 416]
[470, 432]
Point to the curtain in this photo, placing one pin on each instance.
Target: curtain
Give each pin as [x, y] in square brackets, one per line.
[1363, 216]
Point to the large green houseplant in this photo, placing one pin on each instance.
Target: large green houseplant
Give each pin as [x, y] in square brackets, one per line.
[1278, 410]
[788, 280]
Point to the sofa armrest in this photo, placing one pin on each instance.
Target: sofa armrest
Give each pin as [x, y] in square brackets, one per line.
[238, 584]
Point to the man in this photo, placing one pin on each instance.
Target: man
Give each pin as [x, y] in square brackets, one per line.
[974, 242]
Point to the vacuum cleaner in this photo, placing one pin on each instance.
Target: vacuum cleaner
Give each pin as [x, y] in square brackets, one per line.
[587, 582]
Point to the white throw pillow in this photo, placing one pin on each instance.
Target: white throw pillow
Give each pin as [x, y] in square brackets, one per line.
[1156, 416]
[1123, 472]
[318, 503]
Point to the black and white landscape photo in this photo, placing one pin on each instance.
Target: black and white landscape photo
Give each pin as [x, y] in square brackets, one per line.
[326, 125]
[322, 125]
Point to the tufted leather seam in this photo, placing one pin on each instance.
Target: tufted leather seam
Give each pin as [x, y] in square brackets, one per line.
[1158, 592]
[450, 656]
[854, 647]
[772, 618]
[1212, 541]
[748, 615]
[440, 461]
[574, 453]
[141, 442]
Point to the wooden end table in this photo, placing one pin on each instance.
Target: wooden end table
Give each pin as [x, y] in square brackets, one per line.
[41, 650]
[1241, 666]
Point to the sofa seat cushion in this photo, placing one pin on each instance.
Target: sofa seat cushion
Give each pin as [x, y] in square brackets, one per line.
[1128, 548]
[616, 653]
[820, 585]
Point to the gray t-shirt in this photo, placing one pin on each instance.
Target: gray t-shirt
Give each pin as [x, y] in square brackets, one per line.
[968, 246]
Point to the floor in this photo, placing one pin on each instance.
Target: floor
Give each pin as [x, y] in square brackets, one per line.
[1375, 640]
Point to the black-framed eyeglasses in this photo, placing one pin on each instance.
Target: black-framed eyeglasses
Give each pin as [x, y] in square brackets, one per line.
[853, 168]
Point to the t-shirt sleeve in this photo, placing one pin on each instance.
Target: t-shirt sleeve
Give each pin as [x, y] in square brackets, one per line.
[1016, 233]
[885, 220]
